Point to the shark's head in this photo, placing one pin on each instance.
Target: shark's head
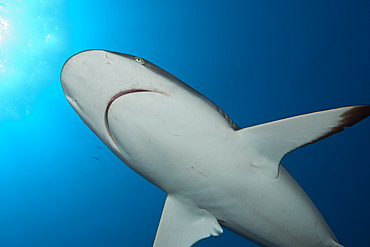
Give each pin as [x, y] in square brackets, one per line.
[93, 79]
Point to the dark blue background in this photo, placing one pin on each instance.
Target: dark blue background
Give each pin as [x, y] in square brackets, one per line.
[258, 60]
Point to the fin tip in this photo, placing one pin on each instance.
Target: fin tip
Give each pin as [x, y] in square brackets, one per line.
[355, 115]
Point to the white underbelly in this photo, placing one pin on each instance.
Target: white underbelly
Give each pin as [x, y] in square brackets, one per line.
[270, 212]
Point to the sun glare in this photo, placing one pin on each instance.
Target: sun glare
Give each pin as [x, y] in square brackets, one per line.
[28, 32]
[3, 34]
[3, 28]
[30, 38]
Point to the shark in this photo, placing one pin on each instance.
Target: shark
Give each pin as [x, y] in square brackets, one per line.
[216, 175]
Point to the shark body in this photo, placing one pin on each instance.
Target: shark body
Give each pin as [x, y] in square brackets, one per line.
[214, 173]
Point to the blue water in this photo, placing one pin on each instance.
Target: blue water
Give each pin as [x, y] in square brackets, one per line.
[258, 60]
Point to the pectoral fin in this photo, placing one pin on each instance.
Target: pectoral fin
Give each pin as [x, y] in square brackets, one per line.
[270, 142]
[183, 225]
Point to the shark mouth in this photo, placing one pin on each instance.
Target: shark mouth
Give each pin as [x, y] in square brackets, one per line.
[122, 93]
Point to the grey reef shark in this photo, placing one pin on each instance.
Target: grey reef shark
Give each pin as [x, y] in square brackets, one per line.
[215, 174]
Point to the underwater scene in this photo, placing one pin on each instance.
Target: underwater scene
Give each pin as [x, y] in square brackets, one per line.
[259, 61]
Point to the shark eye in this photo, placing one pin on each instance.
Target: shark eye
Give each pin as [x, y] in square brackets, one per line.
[139, 60]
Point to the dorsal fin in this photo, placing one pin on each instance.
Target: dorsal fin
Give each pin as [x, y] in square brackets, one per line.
[270, 142]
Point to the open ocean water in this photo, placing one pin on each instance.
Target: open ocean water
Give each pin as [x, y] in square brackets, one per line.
[257, 60]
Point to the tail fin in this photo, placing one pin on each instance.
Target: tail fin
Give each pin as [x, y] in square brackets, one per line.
[272, 141]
